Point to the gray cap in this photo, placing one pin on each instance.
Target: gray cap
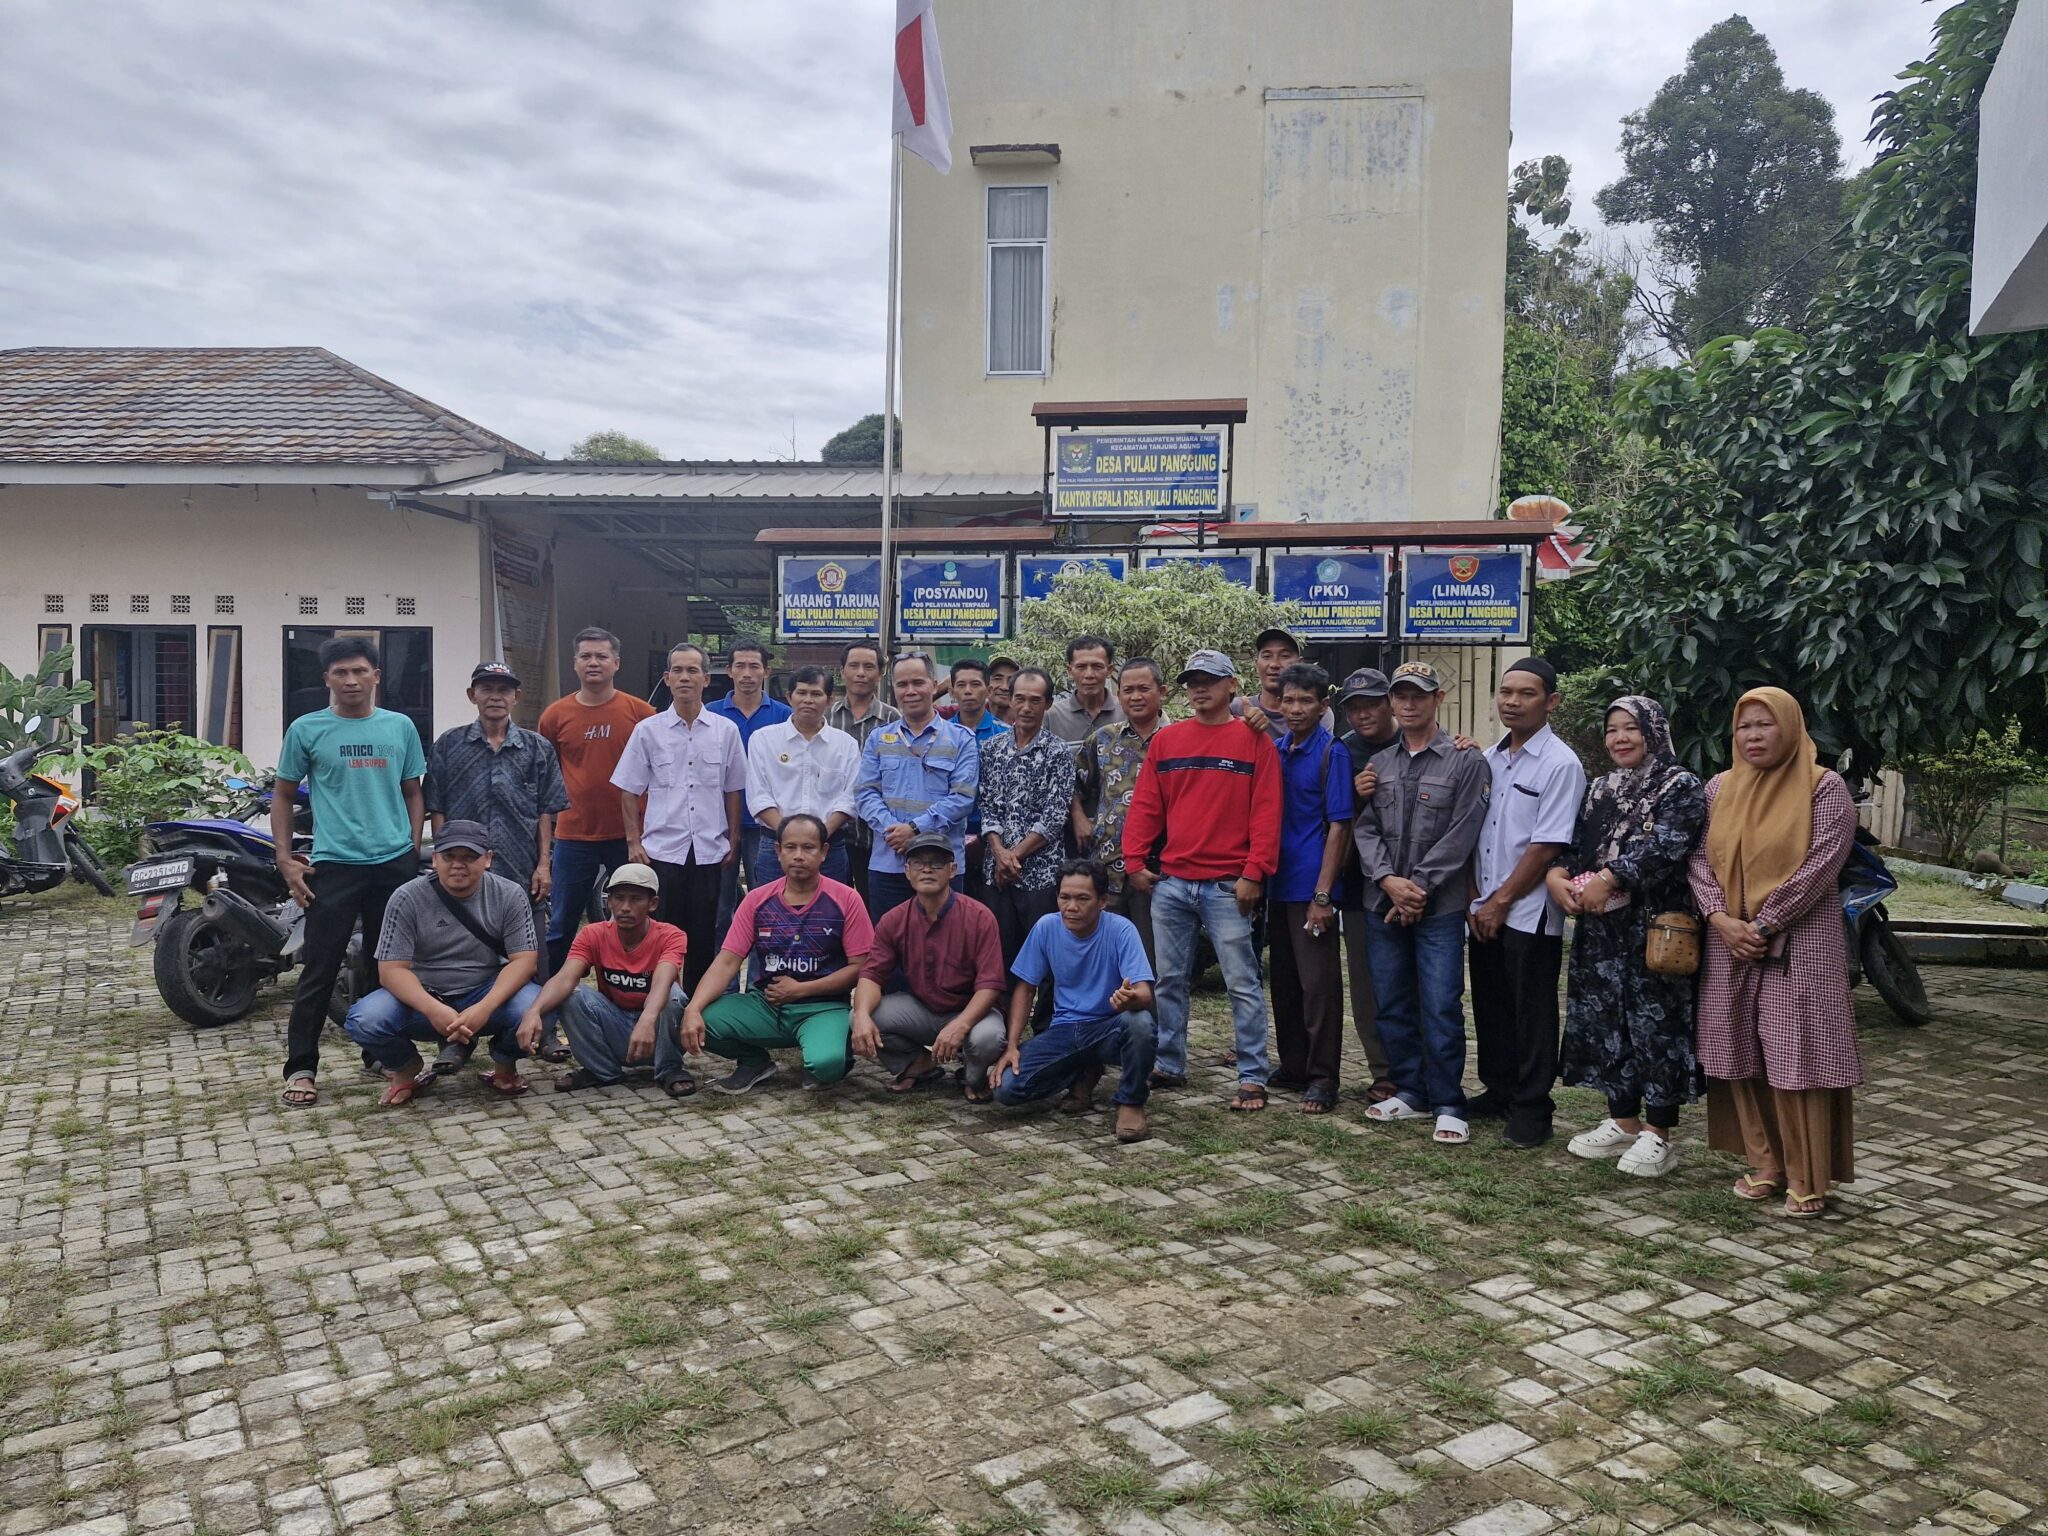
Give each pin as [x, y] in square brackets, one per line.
[639, 876]
[462, 834]
[1417, 674]
[930, 842]
[1207, 664]
[1365, 683]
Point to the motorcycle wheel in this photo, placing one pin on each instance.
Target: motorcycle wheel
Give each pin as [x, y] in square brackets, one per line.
[1892, 971]
[205, 973]
[85, 864]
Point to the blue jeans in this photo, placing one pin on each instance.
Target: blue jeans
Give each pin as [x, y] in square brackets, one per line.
[599, 1032]
[1048, 1063]
[1182, 910]
[575, 867]
[1418, 979]
[386, 1028]
[766, 864]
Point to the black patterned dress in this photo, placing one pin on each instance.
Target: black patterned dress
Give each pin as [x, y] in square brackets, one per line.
[1628, 1031]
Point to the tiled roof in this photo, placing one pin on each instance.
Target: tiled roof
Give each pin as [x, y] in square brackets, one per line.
[220, 405]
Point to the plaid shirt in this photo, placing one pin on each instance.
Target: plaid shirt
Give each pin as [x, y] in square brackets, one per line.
[1026, 790]
[508, 789]
[1107, 776]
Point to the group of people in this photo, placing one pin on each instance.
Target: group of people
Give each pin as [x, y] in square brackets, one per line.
[1015, 890]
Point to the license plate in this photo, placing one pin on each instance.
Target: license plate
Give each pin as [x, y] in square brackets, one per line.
[162, 875]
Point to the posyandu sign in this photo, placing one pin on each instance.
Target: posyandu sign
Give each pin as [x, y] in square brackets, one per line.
[949, 597]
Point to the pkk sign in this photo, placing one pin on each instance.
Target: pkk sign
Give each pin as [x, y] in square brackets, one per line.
[829, 597]
[1343, 593]
[1465, 596]
[1036, 573]
[1138, 474]
[949, 597]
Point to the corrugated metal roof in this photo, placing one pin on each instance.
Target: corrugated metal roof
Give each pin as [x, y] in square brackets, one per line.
[221, 405]
[743, 482]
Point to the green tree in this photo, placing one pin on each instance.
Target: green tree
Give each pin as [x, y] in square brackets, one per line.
[1954, 791]
[1166, 614]
[613, 447]
[41, 692]
[861, 443]
[1859, 513]
[1739, 178]
[1558, 288]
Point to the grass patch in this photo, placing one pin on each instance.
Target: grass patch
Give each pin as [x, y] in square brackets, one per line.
[1376, 1428]
[1715, 1208]
[1760, 1494]
[1389, 1226]
[895, 1520]
[640, 1328]
[1656, 1387]
[1877, 1412]
[1090, 1488]
[1458, 1398]
[1112, 1223]
[1253, 1215]
[1815, 1285]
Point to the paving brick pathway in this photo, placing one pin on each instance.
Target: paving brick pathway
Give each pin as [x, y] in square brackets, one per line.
[839, 1312]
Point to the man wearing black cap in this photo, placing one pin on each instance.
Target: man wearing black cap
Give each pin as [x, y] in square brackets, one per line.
[455, 962]
[1371, 721]
[1517, 930]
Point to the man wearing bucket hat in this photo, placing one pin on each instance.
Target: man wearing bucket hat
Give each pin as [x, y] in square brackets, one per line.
[634, 1014]
[1207, 810]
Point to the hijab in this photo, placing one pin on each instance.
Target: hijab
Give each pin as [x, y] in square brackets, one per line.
[1622, 805]
[1762, 822]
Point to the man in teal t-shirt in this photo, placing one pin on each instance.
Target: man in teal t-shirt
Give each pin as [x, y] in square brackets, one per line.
[362, 767]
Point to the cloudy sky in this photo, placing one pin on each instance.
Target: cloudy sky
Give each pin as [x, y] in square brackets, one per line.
[560, 215]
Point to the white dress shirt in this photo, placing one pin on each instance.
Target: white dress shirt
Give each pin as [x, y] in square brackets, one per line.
[685, 769]
[1536, 795]
[788, 773]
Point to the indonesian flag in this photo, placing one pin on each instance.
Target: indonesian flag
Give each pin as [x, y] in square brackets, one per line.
[923, 116]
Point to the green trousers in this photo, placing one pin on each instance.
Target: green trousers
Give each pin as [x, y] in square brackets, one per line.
[746, 1027]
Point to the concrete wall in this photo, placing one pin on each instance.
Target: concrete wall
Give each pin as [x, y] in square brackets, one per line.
[265, 547]
[2009, 283]
[1296, 202]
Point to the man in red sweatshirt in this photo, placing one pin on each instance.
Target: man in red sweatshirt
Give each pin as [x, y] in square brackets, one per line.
[1203, 835]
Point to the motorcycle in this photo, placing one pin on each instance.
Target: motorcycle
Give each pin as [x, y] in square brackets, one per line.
[213, 958]
[1875, 952]
[47, 846]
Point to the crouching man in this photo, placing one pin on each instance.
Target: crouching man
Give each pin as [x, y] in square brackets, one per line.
[1102, 1007]
[808, 937]
[635, 1012]
[455, 963]
[950, 954]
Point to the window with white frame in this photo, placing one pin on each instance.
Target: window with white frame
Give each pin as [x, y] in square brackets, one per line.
[1019, 228]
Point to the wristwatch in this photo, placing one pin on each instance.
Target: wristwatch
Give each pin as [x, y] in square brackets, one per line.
[1322, 899]
[1765, 931]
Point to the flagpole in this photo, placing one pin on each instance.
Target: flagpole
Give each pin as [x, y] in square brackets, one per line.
[888, 635]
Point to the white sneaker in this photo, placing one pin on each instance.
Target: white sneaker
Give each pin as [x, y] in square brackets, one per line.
[1605, 1140]
[1650, 1156]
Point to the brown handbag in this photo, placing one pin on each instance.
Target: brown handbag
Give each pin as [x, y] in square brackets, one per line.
[1673, 947]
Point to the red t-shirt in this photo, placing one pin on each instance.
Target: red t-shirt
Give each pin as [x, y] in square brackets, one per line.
[589, 741]
[1207, 803]
[625, 977]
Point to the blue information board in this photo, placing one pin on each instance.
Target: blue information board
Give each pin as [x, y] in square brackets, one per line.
[1343, 593]
[1465, 596]
[1137, 474]
[1035, 573]
[828, 597]
[949, 597]
[1236, 569]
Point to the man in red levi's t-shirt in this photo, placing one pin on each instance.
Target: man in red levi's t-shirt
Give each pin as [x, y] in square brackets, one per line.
[1203, 834]
[636, 1009]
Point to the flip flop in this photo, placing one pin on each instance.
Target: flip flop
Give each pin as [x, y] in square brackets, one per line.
[297, 1097]
[681, 1086]
[511, 1090]
[557, 1054]
[974, 1095]
[1749, 1187]
[910, 1082]
[1249, 1099]
[407, 1086]
[1805, 1207]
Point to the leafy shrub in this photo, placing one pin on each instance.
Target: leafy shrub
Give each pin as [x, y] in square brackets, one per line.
[38, 693]
[1954, 791]
[150, 775]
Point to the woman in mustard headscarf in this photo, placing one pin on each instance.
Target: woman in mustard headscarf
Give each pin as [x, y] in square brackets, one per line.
[1777, 1033]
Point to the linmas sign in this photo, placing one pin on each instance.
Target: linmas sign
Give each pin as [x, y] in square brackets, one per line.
[1138, 474]
[1465, 597]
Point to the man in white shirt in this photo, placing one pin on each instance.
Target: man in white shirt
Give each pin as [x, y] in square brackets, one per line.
[803, 765]
[687, 768]
[1517, 931]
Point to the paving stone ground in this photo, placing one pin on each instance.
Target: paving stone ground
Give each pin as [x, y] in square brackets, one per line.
[840, 1312]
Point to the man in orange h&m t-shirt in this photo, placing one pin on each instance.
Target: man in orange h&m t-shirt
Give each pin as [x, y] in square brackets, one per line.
[589, 729]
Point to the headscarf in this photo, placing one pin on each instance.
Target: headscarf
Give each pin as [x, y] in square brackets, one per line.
[1622, 805]
[1762, 821]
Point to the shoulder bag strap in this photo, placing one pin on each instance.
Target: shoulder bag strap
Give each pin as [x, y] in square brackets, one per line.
[462, 915]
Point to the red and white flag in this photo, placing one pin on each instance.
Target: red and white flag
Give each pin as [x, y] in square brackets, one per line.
[923, 116]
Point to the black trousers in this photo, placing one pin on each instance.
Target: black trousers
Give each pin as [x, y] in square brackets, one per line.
[689, 899]
[1307, 981]
[343, 894]
[1017, 911]
[1514, 1021]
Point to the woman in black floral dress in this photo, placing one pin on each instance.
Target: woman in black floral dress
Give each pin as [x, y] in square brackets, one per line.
[1629, 1031]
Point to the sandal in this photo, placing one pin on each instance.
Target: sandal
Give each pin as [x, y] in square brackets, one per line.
[581, 1077]
[975, 1093]
[556, 1054]
[1750, 1187]
[1381, 1090]
[910, 1082]
[1080, 1095]
[1319, 1100]
[300, 1091]
[681, 1086]
[1388, 1110]
[1451, 1131]
[1249, 1099]
[1805, 1207]
[503, 1090]
[406, 1085]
